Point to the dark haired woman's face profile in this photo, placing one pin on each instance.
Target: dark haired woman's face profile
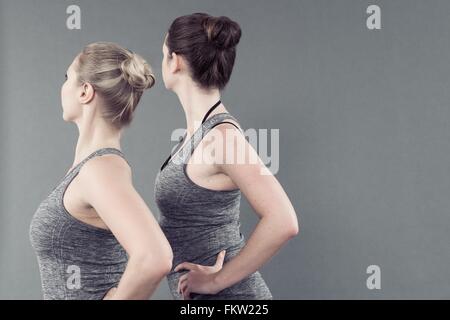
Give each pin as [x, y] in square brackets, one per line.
[167, 67]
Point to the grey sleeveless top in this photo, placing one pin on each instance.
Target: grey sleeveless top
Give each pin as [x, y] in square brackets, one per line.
[200, 222]
[76, 260]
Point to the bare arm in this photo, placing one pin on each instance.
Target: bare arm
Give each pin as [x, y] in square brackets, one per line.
[108, 189]
[278, 222]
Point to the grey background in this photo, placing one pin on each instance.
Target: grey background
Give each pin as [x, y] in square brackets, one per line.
[363, 118]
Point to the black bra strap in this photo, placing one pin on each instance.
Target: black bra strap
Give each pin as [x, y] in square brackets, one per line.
[211, 110]
[195, 142]
[203, 121]
[226, 122]
[165, 163]
[172, 153]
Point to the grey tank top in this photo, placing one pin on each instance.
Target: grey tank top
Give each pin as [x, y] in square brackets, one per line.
[200, 222]
[76, 260]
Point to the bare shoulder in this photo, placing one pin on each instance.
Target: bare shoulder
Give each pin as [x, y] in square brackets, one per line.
[229, 144]
[107, 168]
[227, 130]
[228, 124]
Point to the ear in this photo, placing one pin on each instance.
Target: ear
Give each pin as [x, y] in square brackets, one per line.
[176, 63]
[87, 93]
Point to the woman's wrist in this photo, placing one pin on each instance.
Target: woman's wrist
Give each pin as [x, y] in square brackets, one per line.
[218, 283]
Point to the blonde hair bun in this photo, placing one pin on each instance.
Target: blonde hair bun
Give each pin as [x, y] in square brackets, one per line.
[137, 72]
[118, 75]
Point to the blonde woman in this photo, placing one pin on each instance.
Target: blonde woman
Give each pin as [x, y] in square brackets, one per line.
[93, 235]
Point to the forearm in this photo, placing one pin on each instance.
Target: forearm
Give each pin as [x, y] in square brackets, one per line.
[268, 237]
[139, 280]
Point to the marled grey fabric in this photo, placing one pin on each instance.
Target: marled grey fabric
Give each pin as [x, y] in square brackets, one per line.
[64, 245]
[200, 222]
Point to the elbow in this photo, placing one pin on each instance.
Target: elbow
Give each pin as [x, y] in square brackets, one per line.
[153, 267]
[294, 230]
[167, 263]
[290, 232]
[163, 261]
[292, 227]
[164, 264]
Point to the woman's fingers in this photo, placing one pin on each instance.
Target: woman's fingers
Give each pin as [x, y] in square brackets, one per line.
[220, 259]
[185, 266]
[183, 288]
[182, 279]
[186, 293]
[192, 266]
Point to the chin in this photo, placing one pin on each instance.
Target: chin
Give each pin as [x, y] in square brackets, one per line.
[67, 118]
[64, 116]
[167, 85]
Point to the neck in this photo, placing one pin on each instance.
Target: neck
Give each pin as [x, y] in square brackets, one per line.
[196, 103]
[94, 134]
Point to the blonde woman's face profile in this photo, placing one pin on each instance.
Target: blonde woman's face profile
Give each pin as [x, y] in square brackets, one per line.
[70, 91]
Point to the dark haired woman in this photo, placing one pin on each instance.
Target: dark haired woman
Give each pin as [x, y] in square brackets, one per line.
[93, 235]
[199, 199]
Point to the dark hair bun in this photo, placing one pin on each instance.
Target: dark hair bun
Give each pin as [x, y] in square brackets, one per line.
[223, 32]
[208, 44]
